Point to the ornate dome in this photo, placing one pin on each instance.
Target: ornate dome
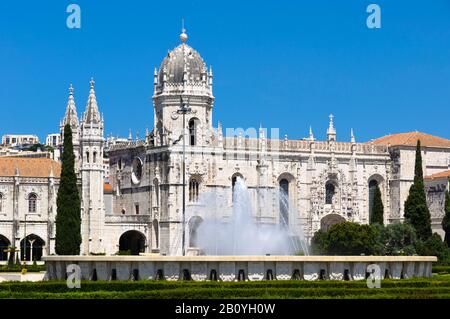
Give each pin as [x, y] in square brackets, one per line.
[182, 65]
[182, 58]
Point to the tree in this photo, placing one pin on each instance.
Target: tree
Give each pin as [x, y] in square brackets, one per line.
[346, 238]
[397, 239]
[416, 209]
[433, 246]
[446, 219]
[68, 219]
[319, 243]
[377, 208]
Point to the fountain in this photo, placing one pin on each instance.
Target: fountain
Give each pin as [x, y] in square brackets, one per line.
[241, 242]
[239, 229]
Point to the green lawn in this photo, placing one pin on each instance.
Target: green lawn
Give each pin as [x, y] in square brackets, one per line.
[436, 287]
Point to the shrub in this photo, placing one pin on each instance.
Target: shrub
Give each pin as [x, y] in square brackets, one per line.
[433, 246]
[319, 243]
[397, 239]
[346, 238]
[123, 252]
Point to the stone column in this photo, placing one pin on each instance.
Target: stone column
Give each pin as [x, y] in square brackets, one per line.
[31, 249]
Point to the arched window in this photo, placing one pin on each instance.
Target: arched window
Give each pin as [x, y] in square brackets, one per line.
[373, 184]
[194, 224]
[193, 190]
[193, 124]
[94, 158]
[1, 202]
[32, 201]
[284, 202]
[330, 190]
[87, 157]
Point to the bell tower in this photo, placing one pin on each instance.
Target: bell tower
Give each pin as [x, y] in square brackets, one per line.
[183, 79]
[92, 173]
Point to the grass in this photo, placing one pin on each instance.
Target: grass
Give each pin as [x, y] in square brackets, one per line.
[424, 288]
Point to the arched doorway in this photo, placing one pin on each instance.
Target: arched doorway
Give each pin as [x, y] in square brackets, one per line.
[34, 247]
[284, 202]
[194, 224]
[330, 220]
[132, 242]
[4, 245]
[233, 183]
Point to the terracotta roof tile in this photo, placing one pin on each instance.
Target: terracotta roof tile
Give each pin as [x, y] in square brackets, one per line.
[443, 174]
[107, 188]
[29, 167]
[410, 139]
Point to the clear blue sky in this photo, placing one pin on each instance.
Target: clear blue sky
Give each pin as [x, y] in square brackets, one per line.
[284, 64]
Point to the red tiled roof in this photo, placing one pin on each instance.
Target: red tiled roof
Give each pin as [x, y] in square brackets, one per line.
[443, 174]
[29, 167]
[410, 139]
[107, 188]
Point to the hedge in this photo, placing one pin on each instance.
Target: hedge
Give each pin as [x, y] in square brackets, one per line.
[205, 293]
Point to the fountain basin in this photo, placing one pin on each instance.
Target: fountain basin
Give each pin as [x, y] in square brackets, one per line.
[232, 268]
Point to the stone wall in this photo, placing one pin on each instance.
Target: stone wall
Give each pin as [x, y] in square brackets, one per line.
[233, 268]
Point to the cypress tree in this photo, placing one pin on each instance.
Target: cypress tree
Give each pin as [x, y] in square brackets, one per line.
[68, 218]
[416, 209]
[446, 219]
[377, 208]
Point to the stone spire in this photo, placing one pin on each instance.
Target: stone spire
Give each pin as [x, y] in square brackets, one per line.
[352, 136]
[210, 76]
[71, 116]
[331, 132]
[92, 115]
[311, 135]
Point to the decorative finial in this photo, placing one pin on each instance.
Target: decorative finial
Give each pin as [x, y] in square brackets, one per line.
[92, 82]
[331, 132]
[311, 135]
[70, 89]
[183, 35]
[352, 136]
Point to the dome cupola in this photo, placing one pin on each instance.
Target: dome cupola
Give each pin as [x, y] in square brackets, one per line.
[183, 69]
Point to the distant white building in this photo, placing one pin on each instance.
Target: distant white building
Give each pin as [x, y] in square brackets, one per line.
[17, 140]
[53, 140]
